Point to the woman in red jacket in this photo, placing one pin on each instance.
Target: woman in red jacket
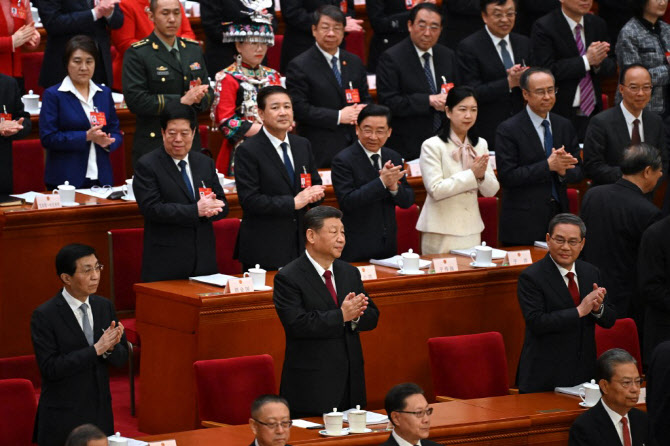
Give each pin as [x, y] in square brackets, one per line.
[17, 31]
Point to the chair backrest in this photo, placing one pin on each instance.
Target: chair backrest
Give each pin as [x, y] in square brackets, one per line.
[32, 64]
[488, 208]
[227, 387]
[125, 255]
[407, 236]
[24, 367]
[274, 53]
[469, 366]
[204, 135]
[573, 201]
[118, 161]
[17, 412]
[355, 43]
[225, 231]
[622, 335]
[27, 166]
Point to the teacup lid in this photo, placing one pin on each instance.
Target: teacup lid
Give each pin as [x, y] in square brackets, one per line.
[31, 95]
[65, 185]
[357, 409]
[334, 412]
[258, 269]
[484, 247]
[410, 254]
[592, 385]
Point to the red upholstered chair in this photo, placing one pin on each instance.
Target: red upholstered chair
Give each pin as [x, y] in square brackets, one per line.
[408, 236]
[24, 367]
[355, 43]
[573, 201]
[606, 103]
[125, 255]
[32, 64]
[468, 366]
[622, 335]
[488, 208]
[227, 387]
[225, 232]
[28, 166]
[204, 136]
[17, 412]
[274, 53]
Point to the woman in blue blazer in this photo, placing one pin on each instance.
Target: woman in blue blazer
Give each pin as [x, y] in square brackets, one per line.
[77, 147]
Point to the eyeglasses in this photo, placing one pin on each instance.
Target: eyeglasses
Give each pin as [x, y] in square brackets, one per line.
[377, 133]
[88, 271]
[274, 426]
[636, 88]
[507, 15]
[172, 134]
[626, 383]
[561, 241]
[423, 26]
[418, 413]
[550, 91]
[101, 189]
[336, 29]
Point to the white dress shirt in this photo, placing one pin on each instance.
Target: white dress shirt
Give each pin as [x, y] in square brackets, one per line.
[74, 306]
[402, 442]
[276, 143]
[87, 105]
[537, 124]
[628, 116]
[616, 419]
[564, 271]
[577, 101]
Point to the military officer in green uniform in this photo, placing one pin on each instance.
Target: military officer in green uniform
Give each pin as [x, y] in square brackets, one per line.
[163, 68]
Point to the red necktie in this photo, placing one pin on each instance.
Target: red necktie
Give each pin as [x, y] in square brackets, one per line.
[635, 136]
[572, 288]
[329, 284]
[626, 432]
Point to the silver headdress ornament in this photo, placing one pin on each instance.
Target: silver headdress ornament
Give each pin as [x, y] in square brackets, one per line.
[257, 29]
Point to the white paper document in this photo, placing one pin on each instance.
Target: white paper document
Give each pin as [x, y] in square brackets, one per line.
[541, 244]
[498, 254]
[304, 423]
[370, 417]
[29, 197]
[131, 441]
[213, 279]
[574, 391]
[102, 193]
[392, 262]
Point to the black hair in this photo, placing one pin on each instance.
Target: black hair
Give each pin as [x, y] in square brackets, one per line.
[265, 92]
[176, 110]
[483, 4]
[609, 360]
[455, 96]
[329, 11]
[624, 70]
[375, 110]
[525, 76]
[315, 217]
[81, 435]
[636, 158]
[567, 219]
[79, 42]
[262, 400]
[429, 6]
[395, 399]
[66, 259]
[636, 7]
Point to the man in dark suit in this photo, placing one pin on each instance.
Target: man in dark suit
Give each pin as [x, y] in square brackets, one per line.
[409, 79]
[298, 17]
[614, 420]
[492, 61]
[277, 181]
[322, 305]
[461, 19]
[614, 129]
[653, 277]
[75, 336]
[16, 126]
[658, 395]
[574, 45]
[270, 421]
[409, 413]
[369, 182]
[537, 156]
[561, 302]
[179, 195]
[318, 81]
[64, 19]
[617, 215]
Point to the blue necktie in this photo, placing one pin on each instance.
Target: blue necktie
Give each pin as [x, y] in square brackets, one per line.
[189, 186]
[506, 58]
[86, 325]
[548, 145]
[336, 70]
[437, 116]
[287, 162]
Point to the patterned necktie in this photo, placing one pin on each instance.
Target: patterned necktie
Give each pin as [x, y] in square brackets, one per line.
[587, 97]
[287, 162]
[336, 70]
[375, 162]
[437, 115]
[626, 432]
[572, 288]
[184, 175]
[327, 274]
[86, 325]
[506, 57]
[548, 145]
[635, 136]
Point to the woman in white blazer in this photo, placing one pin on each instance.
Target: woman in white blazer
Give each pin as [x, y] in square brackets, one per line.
[455, 166]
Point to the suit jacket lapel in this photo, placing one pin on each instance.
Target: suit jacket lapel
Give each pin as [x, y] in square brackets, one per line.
[316, 282]
[417, 63]
[491, 53]
[529, 129]
[606, 426]
[272, 156]
[96, 311]
[567, 34]
[557, 282]
[327, 69]
[361, 159]
[621, 127]
[76, 106]
[516, 49]
[173, 171]
[649, 129]
[70, 320]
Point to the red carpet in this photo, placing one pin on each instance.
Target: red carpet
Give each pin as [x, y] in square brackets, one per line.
[120, 387]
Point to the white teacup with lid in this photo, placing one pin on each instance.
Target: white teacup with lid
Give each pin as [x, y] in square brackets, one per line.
[66, 192]
[332, 421]
[409, 261]
[590, 393]
[257, 275]
[117, 440]
[31, 102]
[482, 255]
[357, 420]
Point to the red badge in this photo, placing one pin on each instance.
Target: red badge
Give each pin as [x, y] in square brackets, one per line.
[305, 180]
[352, 95]
[275, 80]
[204, 191]
[409, 4]
[446, 87]
[5, 117]
[667, 56]
[193, 83]
[18, 11]
[343, 6]
[98, 118]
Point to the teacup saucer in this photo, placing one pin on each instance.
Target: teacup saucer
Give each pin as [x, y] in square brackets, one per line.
[583, 404]
[345, 431]
[482, 265]
[127, 198]
[410, 273]
[262, 288]
[364, 432]
[69, 204]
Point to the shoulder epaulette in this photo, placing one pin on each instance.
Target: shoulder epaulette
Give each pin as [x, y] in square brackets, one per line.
[186, 39]
[140, 43]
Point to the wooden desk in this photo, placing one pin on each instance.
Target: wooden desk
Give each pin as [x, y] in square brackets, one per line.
[29, 241]
[181, 324]
[537, 419]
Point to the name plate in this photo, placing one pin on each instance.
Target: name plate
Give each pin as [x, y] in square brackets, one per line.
[164, 443]
[445, 265]
[368, 272]
[239, 285]
[519, 257]
[326, 179]
[47, 202]
[415, 170]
